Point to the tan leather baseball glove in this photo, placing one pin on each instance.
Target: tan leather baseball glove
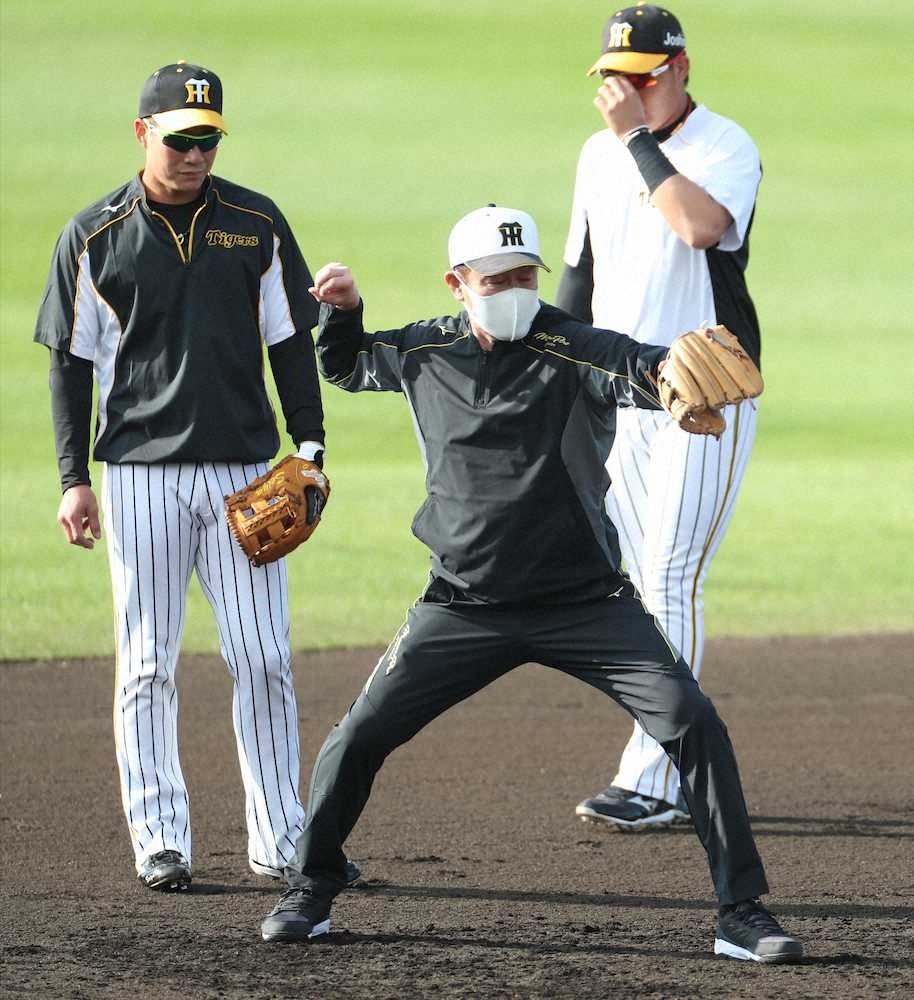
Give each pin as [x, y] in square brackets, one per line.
[705, 370]
[279, 510]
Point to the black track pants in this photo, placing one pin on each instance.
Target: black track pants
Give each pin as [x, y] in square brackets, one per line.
[445, 653]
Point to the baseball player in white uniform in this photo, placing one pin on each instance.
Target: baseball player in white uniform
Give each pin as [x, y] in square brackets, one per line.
[170, 290]
[657, 245]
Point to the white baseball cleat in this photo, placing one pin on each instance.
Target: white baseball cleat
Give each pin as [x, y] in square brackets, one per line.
[627, 811]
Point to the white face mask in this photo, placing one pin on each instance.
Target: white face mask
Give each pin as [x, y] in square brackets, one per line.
[505, 315]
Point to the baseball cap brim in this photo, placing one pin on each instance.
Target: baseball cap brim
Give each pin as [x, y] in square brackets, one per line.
[629, 62]
[183, 118]
[501, 262]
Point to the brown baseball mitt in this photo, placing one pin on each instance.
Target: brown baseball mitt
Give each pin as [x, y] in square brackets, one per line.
[279, 510]
[705, 370]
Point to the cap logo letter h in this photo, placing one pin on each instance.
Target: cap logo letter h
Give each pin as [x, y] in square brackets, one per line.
[197, 91]
[511, 234]
[619, 36]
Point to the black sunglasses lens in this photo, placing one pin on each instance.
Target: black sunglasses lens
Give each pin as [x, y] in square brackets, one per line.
[185, 143]
[209, 142]
[177, 143]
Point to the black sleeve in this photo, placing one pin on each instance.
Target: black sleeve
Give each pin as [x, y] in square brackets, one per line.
[295, 374]
[296, 277]
[575, 293]
[356, 360]
[339, 339]
[70, 380]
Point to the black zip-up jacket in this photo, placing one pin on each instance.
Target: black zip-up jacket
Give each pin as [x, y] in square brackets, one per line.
[175, 330]
[514, 442]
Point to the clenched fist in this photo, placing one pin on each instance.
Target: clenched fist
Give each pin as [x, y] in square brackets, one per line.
[335, 285]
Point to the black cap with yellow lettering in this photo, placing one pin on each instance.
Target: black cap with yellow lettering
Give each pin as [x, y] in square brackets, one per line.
[639, 39]
[182, 95]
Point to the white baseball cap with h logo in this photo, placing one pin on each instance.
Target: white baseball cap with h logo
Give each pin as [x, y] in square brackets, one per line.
[494, 239]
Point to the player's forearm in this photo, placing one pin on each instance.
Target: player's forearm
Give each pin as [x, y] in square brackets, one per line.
[339, 340]
[575, 291]
[70, 380]
[695, 217]
[623, 369]
[640, 388]
[295, 374]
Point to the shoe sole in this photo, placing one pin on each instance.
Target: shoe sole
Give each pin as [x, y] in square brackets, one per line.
[659, 821]
[789, 951]
[290, 936]
[172, 883]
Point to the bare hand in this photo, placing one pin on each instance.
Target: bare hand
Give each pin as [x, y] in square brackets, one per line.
[335, 285]
[78, 516]
[620, 105]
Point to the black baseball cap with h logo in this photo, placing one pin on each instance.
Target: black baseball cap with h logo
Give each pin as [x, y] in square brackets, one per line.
[639, 39]
[182, 95]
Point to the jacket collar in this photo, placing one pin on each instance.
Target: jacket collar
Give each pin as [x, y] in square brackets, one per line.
[135, 189]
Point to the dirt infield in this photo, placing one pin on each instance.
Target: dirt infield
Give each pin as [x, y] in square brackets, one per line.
[479, 882]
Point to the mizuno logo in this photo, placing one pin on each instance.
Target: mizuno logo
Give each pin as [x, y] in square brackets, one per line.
[217, 238]
[395, 649]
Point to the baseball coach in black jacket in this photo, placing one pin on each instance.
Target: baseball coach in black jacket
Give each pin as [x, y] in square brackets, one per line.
[513, 403]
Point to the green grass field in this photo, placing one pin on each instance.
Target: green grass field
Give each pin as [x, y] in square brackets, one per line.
[374, 127]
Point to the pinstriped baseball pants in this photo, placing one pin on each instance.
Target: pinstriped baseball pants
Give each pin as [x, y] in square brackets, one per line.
[671, 500]
[162, 522]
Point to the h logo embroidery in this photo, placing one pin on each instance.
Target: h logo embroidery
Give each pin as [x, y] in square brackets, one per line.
[197, 91]
[512, 234]
[620, 36]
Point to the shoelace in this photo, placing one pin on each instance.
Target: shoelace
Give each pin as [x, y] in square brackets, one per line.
[295, 896]
[756, 916]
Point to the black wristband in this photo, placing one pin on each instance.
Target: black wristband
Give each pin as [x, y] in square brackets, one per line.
[650, 159]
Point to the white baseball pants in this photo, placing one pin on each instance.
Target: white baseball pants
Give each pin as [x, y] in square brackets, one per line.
[162, 522]
[671, 500]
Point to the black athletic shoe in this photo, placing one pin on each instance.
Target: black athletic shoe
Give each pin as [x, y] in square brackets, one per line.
[167, 871]
[627, 811]
[353, 872]
[748, 931]
[300, 915]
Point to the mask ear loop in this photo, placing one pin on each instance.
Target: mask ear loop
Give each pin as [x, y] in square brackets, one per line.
[471, 295]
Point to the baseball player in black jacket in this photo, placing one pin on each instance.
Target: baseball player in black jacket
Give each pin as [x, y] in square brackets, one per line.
[168, 292]
[513, 402]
